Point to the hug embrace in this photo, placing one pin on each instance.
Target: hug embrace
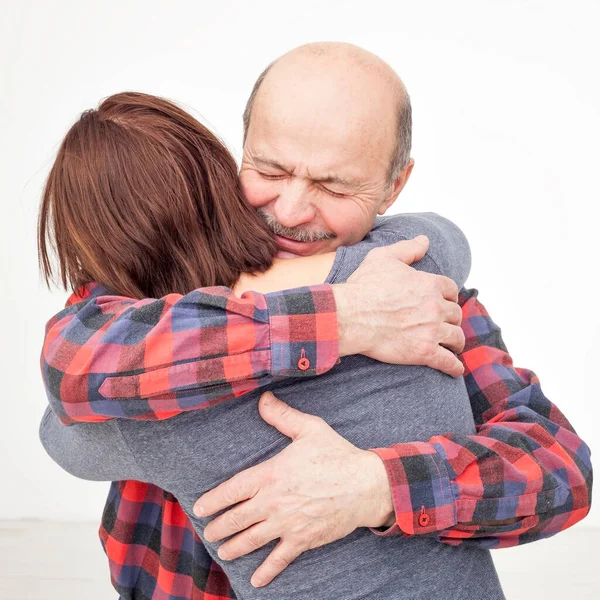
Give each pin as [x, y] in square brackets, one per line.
[292, 394]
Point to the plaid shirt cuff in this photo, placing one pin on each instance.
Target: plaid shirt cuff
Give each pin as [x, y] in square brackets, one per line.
[421, 489]
[303, 331]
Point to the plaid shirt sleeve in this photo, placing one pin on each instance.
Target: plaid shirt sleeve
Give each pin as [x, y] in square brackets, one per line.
[106, 356]
[525, 474]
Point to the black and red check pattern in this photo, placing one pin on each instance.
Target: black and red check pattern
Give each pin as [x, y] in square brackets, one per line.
[107, 357]
[523, 476]
[525, 464]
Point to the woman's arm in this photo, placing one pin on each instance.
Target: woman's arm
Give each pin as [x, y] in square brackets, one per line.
[96, 452]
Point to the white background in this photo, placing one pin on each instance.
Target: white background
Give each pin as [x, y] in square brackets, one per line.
[506, 131]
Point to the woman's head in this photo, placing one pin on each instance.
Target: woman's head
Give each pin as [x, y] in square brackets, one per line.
[145, 200]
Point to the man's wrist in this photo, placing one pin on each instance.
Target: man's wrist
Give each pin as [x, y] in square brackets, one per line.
[348, 340]
[383, 514]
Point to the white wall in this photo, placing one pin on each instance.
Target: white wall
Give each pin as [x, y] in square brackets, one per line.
[507, 125]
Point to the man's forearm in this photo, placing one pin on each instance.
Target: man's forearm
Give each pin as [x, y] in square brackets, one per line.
[525, 465]
[106, 356]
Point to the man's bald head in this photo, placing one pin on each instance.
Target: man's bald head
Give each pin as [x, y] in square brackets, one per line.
[349, 65]
[326, 146]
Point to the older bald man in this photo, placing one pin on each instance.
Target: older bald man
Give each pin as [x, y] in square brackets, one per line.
[326, 149]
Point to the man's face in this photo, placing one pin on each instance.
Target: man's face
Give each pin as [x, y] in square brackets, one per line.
[318, 180]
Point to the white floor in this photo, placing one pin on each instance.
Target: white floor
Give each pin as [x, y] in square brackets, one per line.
[64, 561]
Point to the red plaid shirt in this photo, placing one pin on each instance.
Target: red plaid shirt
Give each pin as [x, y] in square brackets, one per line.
[110, 357]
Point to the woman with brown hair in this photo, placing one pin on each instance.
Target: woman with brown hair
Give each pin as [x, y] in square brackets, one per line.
[144, 202]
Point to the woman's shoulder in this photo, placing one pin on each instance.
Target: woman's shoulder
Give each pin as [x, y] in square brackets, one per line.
[449, 253]
[409, 225]
[448, 246]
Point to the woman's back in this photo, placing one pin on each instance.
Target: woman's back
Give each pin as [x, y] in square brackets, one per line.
[369, 403]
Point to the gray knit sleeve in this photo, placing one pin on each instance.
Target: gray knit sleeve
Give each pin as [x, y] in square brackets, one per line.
[449, 253]
[93, 451]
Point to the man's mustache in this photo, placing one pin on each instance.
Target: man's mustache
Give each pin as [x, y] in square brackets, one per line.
[294, 233]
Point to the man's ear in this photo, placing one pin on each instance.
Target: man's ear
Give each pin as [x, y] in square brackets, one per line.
[396, 187]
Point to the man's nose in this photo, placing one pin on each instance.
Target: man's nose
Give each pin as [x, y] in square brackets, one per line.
[294, 206]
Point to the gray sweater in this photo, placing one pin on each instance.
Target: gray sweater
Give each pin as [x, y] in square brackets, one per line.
[369, 403]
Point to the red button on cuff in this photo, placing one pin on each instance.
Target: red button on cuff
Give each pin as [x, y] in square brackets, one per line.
[303, 363]
[424, 518]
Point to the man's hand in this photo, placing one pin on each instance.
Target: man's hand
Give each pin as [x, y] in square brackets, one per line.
[318, 490]
[396, 314]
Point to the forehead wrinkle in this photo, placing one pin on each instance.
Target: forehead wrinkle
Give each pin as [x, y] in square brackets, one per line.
[269, 162]
[333, 178]
[330, 177]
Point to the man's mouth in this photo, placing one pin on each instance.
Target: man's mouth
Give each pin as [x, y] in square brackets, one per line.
[290, 248]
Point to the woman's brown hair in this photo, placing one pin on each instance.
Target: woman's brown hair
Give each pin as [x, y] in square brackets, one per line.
[146, 201]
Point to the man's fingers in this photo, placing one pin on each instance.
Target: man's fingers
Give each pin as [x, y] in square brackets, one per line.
[409, 251]
[281, 557]
[452, 337]
[234, 520]
[453, 313]
[448, 288]
[283, 417]
[248, 541]
[242, 486]
[443, 360]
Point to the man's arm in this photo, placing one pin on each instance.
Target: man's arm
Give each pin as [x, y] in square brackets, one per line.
[108, 357]
[523, 476]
